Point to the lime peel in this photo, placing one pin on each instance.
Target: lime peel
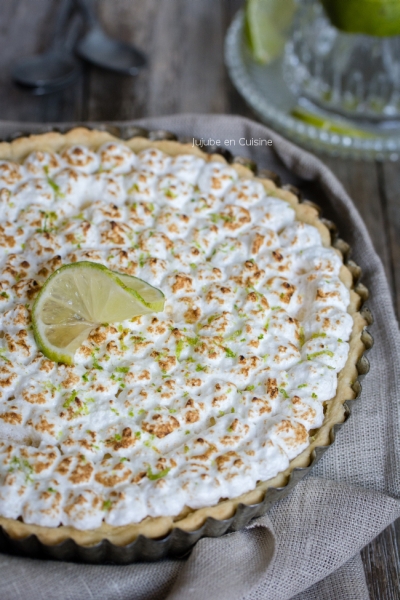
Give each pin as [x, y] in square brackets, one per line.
[328, 124]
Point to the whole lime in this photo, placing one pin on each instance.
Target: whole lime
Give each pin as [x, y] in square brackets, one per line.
[371, 17]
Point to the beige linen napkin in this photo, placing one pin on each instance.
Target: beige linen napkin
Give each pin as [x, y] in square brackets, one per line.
[308, 545]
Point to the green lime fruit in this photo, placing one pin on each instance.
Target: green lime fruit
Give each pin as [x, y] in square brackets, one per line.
[267, 24]
[81, 296]
[371, 17]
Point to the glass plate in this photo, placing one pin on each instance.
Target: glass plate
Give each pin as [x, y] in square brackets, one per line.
[265, 90]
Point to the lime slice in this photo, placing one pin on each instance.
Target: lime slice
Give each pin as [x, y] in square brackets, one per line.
[267, 24]
[81, 296]
[371, 17]
[328, 124]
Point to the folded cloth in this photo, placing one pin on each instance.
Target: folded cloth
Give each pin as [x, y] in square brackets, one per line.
[308, 545]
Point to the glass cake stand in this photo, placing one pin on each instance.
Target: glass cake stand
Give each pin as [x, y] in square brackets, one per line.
[266, 90]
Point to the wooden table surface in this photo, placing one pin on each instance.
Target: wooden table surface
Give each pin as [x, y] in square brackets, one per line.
[184, 42]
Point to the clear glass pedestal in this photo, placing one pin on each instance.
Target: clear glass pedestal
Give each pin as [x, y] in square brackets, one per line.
[357, 76]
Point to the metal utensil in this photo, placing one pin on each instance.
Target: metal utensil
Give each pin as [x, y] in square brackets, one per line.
[74, 28]
[53, 70]
[104, 51]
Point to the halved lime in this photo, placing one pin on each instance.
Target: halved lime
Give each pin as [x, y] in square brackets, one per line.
[371, 17]
[81, 296]
[267, 24]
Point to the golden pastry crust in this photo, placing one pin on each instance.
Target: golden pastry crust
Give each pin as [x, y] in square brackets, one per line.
[190, 520]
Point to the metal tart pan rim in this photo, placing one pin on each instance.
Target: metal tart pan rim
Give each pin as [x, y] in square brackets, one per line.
[177, 542]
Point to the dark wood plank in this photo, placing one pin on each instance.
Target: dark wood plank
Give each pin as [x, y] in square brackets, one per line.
[381, 563]
[184, 42]
[111, 96]
[382, 557]
[200, 80]
[389, 177]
